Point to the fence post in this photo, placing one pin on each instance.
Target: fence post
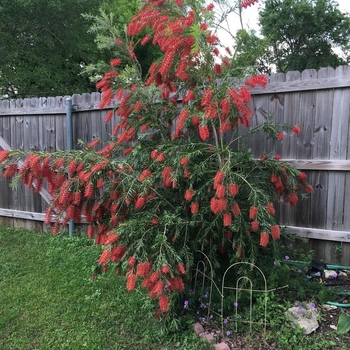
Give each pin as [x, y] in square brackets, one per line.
[69, 109]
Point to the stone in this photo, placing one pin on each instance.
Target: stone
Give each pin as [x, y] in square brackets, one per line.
[221, 346]
[330, 274]
[208, 337]
[303, 317]
[198, 328]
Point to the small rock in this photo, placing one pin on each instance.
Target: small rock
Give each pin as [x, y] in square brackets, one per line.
[327, 307]
[209, 337]
[305, 318]
[222, 346]
[330, 273]
[198, 328]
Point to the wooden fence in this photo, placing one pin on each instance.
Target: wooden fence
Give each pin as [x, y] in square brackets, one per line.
[317, 101]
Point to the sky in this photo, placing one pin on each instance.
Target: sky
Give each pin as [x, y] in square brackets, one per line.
[250, 15]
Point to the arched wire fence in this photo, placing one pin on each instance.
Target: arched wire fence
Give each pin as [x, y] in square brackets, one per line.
[204, 278]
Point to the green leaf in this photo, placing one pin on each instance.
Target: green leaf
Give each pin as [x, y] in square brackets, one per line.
[324, 296]
[343, 324]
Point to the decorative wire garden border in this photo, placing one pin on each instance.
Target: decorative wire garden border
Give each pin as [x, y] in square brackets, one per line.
[237, 288]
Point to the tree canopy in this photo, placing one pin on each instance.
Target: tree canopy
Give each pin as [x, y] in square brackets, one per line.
[303, 33]
[45, 45]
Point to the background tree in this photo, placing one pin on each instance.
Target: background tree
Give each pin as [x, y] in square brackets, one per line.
[45, 45]
[303, 33]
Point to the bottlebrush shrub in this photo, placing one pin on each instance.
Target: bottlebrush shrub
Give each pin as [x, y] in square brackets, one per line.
[169, 181]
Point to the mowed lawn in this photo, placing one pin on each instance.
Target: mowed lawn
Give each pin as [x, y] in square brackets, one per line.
[48, 300]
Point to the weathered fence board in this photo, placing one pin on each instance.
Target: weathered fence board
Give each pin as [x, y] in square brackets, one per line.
[317, 101]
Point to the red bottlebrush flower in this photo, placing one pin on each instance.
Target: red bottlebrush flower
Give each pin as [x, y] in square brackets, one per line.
[154, 221]
[181, 269]
[280, 136]
[154, 154]
[227, 219]
[211, 39]
[118, 41]
[144, 175]
[256, 80]
[72, 167]
[184, 161]
[206, 98]
[204, 132]
[166, 173]
[226, 62]
[176, 284]
[296, 130]
[100, 183]
[105, 257]
[216, 51]
[220, 191]
[160, 158]
[232, 189]
[112, 238]
[163, 303]
[277, 157]
[219, 177]
[270, 209]
[93, 143]
[117, 253]
[140, 202]
[264, 239]
[228, 50]
[218, 69]
[137, 106]
[229, 235]
[275, 232]
[10, 170]
[188, 195]
[127, 151]
[89, 190]
[292, 199]
[189, 96]
[239, 252]
[96, 168]
[253, 212]
[235, 209]
[165, 269]
[194, 208]
[255, 226]
[115, 62]
[132, 261]
[145, 39]
[309, 189]
[154, 277]
[143, 269]
[91, 231]
[4, 154]
[195, 121]
[156, 290]
[131, 282]
[246, 3]
[203, 26]
[302, 176]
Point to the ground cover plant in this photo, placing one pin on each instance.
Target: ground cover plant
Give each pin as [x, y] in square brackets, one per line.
[48, 300]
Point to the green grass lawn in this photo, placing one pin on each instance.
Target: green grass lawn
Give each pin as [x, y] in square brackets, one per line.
[48, 300]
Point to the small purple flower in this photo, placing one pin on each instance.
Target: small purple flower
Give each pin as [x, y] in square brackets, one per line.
[308, 276]
[225, 321]
[335, 275]
[300, 308]
[286, 257]
[186, 304]
[290, 245]
[275, 262]
[228, 333]
[235, 304]
[211, 316]
[300, 271]
[312, 305]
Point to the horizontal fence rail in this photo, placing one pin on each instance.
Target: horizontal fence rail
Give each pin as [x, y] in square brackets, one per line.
[317, 101]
